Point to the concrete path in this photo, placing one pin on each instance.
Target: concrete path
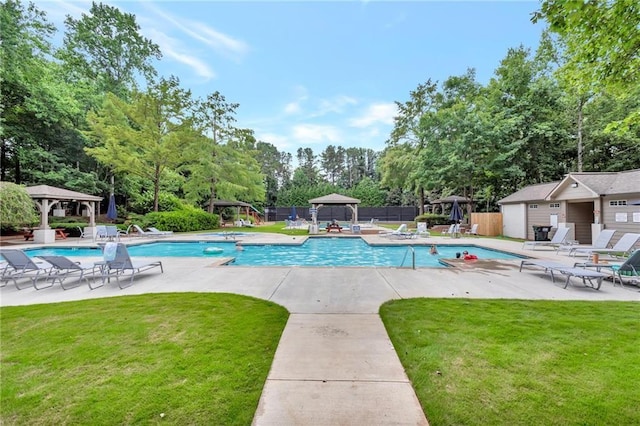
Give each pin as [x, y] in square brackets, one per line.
[335, 364]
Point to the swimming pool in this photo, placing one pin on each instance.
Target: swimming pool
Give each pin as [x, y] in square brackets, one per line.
[328, 252]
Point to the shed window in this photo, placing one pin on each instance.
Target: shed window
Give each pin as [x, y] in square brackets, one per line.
[554, 205]
[617, 203]
[533, 206]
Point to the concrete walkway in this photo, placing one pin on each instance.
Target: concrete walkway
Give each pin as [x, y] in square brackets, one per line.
[335, 364]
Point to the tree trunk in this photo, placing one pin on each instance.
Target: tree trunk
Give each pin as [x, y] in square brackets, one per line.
[156, 190]
[421, 207]
[580, 146]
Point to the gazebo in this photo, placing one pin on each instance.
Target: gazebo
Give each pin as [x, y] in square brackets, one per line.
[449, 200]
[238, 204]
[46, 196]
[331, 199]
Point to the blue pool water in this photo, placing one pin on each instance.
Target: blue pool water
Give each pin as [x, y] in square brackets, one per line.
[314, 252]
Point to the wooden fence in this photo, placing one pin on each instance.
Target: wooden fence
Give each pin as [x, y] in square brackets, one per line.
[489, 224]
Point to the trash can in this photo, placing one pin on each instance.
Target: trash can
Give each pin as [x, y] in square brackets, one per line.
[541, 233]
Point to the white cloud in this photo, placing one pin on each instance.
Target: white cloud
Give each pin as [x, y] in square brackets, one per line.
[376, 113]
[173, 49]
[279, 141]
[335, 105]
[292, 108]
[222, 43]
[315, 134]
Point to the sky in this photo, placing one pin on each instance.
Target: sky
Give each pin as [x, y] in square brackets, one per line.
[313, 74]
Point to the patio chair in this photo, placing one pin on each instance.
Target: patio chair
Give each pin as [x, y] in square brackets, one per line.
[156, 231]
[587, 275]
[22, 266]
[421, 230]
[64, 268]
[559, 238]
[630, 269]
[602, 242]
[112, 233]
[117, 262]
[623, 247]
[101, 232]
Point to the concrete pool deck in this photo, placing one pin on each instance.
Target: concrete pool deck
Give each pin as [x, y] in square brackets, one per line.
[335, 363]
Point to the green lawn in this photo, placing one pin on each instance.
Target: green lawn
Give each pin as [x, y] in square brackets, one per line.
[195, 358]
[501, 362]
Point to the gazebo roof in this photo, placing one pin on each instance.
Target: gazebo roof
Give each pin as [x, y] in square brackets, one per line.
[451, 199]
[334, 199]
[42, 192]
[228, 203]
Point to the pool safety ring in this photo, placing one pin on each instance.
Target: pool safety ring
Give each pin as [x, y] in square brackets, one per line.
[212, 250]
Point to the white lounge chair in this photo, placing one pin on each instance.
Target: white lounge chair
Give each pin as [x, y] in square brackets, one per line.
[624, 246]
[402, 229]
[143, 233]
[159, 232]
[22, 266]
[559, 238]
[117, 262]
[602, 242]
[421, 230]
[473, 230]
[587, 275]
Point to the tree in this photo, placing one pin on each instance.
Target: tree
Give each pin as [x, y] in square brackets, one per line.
[146, 136]
[602, 41]
[106, 46]
[16, 206]
[221, 163]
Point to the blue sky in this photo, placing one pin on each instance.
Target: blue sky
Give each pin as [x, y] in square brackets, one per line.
[311, 74]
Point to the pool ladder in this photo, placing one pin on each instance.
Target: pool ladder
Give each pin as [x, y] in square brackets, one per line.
[413, 257]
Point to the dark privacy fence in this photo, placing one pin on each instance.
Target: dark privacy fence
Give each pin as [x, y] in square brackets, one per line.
[343, 213]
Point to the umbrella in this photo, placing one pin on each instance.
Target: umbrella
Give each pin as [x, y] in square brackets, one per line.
[456, 212]
[294, 213]
[112, 213]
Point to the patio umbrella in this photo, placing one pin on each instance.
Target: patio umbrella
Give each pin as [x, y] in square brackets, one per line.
[112, 213]
[456, 212]
[294, 213]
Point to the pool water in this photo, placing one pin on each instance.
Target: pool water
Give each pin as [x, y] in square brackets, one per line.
[314, 252]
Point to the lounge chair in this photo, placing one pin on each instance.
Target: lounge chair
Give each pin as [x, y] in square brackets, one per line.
[117, 262]
[402, 229]
[629, 269]
[64, 268]
[602, 242]
[156, 231]
[473, 230]
[149, 233]
[559, 238]
[587, 275]
[22, 266]
[624, 246]
[421, 230]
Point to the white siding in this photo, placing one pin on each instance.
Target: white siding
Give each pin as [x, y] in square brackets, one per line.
[513, 220]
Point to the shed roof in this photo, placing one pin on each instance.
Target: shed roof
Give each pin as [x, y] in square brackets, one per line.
[42, 192]
[530, 193]
[600, 183]
[609, 183]
[334, 199]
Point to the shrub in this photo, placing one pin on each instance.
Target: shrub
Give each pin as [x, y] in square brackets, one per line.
[433, 219]
[183, 220]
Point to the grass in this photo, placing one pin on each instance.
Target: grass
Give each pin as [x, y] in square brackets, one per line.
[196, 358]
[487, 362]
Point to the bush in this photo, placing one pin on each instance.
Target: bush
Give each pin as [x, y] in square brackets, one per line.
[433, 219]
[183, 220]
